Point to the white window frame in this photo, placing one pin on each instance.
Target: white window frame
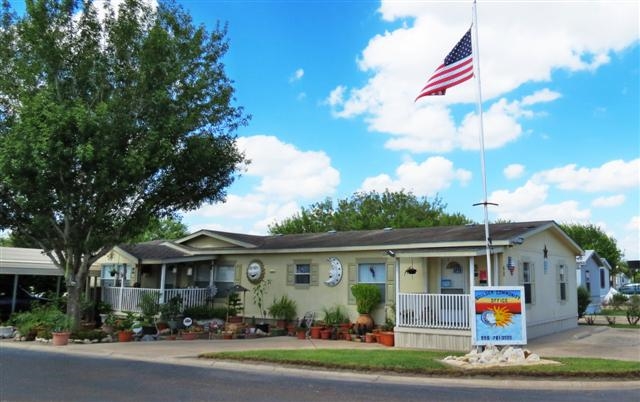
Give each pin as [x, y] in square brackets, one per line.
[302, 274]
[374, 273]
[527, 279]
[221, 275]
[562, 272]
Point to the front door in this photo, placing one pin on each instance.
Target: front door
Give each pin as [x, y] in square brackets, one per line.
[453, 278]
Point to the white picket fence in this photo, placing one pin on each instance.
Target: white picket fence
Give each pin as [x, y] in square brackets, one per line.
[128, 299]
[425, 310]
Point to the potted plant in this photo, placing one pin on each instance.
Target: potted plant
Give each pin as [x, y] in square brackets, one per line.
[284, 310]
[301, 330]
[170, 311]
[122, 326]
[367, 297]
[150, 307]
[234, 305]
[61, 332]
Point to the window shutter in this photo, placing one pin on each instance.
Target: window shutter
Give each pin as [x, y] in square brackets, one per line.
[315, 275]
[238, 274]
[291, 275]
[352, 276]
[391, 284]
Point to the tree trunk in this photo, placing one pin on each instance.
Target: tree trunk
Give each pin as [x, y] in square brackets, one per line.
[75, 290]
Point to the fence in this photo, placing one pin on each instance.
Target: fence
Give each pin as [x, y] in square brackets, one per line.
[424, 310]
[128, 299]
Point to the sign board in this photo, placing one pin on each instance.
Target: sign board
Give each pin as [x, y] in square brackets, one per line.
[498, 316]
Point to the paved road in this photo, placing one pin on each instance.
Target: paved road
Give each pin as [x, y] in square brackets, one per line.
[37, 375]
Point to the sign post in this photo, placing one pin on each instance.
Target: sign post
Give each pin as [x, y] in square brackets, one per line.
[498, 316]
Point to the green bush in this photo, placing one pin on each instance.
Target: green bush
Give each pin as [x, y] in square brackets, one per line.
[205, 311]
[149, 306]
[633, 310]
[335, 315]
[283, 309]
[584, 298]
[618, 300]
[40, 321]
[367, 297]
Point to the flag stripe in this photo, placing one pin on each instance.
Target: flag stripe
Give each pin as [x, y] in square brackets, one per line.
[444, 81]
[456, 68]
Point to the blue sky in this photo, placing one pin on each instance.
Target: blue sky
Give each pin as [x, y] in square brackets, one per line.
[330, 86]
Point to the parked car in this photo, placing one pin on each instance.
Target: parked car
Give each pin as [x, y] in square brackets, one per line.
[24, 299]
[630, 289]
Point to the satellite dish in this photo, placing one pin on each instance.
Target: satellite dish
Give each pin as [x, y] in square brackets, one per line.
[187, 321]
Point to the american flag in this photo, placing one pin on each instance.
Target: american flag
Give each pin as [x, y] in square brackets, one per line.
[457, 68]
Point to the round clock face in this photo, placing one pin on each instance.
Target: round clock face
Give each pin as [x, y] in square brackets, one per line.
[255, 272]
[335, 272]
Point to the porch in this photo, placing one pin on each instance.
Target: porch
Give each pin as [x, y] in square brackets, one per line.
[128, 298]
[433, 321]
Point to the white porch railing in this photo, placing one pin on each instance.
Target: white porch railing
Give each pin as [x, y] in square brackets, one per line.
[128, 299]
[424, 310]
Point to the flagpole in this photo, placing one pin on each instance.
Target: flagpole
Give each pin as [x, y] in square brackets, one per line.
[484, 203]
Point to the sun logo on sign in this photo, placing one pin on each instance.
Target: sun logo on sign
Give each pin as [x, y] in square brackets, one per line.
[502, 316]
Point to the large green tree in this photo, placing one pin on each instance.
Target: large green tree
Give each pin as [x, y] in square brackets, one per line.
[108, 119]
[370, 210]
[592, 237]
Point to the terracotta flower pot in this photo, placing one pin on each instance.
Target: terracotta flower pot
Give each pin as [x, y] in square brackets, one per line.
[189, 336]
[301, 334]
[60, 338]
[315, 332]
[386, 338]
[325, 334]
[125, 336]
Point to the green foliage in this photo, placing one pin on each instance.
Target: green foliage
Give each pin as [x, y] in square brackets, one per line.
[205, 311]
[370, 210]
[41, 320]
[335, 315]
[234, 305]
[367, 297]
[633, 310]
[171, 309]
[149, 306]
[584, 299]
[169, 228]
[107, 123]
[283, 309]
[617, 301]
[592, 237]
[259, 291]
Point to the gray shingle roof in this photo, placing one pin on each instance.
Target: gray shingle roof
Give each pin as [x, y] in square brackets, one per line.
[384, 237]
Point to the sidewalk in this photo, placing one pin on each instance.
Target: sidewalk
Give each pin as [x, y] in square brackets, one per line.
[583, 341]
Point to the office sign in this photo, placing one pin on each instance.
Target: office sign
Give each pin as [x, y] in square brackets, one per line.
[499, 316]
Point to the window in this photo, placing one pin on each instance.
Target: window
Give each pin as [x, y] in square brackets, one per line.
[587, 277]
[374, 273]
[528, 276]
[202, 276]
[562, 282]
[223, 279]
[303, 274]
[112, 273]
[602, 279]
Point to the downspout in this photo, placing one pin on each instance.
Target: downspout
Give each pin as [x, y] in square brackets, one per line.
[395, 319]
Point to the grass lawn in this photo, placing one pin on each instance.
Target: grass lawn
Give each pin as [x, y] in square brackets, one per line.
[428, 363]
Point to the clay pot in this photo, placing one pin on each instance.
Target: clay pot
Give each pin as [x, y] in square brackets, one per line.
[60, 338]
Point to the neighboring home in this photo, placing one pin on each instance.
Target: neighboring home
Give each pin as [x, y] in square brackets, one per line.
[424, 274]
[594, 274]
[14, 263]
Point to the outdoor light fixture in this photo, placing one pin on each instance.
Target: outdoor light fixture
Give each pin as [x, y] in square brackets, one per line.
[391, 253]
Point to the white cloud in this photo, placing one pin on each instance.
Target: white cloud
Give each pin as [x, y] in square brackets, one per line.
[423, 179]
[529, 203]
[571, 36]
[608, 202]
[611, 176]
[513, 171]
[297, 75]
[284, 175]
[286, 172]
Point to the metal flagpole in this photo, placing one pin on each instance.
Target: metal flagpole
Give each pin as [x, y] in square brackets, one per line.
[484, 203]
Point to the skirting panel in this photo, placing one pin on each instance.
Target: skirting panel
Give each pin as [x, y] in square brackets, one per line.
[424, 338]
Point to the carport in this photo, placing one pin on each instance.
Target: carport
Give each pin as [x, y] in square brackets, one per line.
[17, 261]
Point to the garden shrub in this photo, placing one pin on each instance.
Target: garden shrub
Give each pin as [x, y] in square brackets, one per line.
[584, 299]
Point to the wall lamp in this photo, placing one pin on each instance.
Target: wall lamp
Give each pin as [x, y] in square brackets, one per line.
[390, 253]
